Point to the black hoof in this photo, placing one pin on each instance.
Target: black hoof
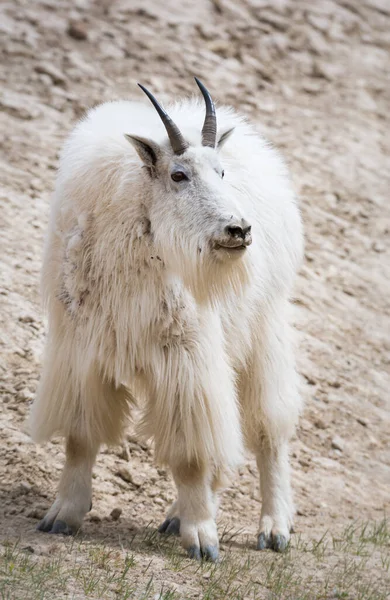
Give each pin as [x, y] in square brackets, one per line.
[194, 552]
[210, 553]
[278, 543]
[62, 527]
[170, 526]
[44, 525]
[164, 526]
[173, 527]
[263, 541]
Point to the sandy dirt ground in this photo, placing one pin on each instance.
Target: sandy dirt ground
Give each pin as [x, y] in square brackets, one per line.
[315, 78]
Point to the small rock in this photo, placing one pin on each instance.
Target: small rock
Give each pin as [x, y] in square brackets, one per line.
[222, 48]
[115, 513]
[362, 421]
[18, 106]
[94, 516]
[348, 292]
[26, 319]
[77, 30]
[37, 185]
[25, 394]
[311, 87]
[338, 443]
[206, 31]
[320, 424]
[378, 247]
[309, 379]
[36, 513]
[45, 79]
[335, 384]
[125, 474]
[373, 442]
[55, 74]
[25, 487]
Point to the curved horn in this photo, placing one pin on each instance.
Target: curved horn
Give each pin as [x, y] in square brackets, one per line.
[178, 143]
[209, 130]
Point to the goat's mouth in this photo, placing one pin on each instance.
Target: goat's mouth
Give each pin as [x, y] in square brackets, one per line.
[234, 249]
[225, 252]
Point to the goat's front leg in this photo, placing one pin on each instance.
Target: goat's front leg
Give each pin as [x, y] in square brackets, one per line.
[270, 407]
[277, 506]
[75, 490]
[171, 525]
[196, 507]
[193, 416]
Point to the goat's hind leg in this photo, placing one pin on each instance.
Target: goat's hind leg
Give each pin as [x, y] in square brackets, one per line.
[75, 490]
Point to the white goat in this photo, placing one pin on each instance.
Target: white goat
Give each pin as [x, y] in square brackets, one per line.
[156, 291]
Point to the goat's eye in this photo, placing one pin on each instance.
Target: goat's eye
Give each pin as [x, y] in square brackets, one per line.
[178, 176]
[223, 174]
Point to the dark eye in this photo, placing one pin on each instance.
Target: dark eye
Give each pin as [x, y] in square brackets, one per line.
[178, 176]
[223, 174]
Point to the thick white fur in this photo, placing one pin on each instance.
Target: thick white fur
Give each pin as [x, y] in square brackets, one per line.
[140, 308]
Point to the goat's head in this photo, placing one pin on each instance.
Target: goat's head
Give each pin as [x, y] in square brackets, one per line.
[194, 213]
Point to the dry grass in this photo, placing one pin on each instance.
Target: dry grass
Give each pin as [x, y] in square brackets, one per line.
[353, 565]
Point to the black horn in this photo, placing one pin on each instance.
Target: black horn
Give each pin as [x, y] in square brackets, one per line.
[178, 143]
[209, 130]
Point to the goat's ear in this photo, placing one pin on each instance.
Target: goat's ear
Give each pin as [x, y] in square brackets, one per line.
[224, 137]
[147, 150]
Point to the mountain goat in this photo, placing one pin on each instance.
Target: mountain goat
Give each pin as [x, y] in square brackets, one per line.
[171, 253]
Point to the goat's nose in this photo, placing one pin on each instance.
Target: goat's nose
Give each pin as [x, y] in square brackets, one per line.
[238, 230]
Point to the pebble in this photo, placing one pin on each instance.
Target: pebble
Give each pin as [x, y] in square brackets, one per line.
[338, 443]
[335, 384]
[77, 30]
[320, 424]
[115, 513]
[94, 517]
[55, 74]
[17, 106]
[125, 474]
[222, 48]
[362, 421]
[25, 394]
[378, 247]
[35, 513]
[25, 487]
